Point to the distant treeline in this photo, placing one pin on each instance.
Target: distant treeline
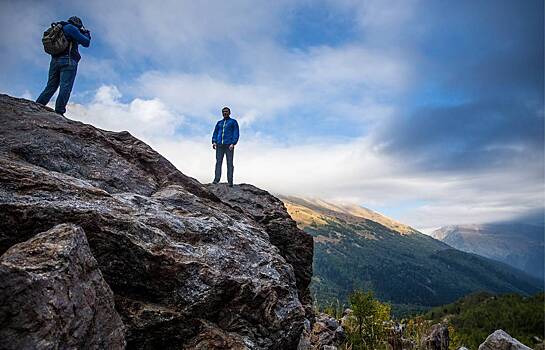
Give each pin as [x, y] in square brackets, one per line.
[411, 272]
[477, 315]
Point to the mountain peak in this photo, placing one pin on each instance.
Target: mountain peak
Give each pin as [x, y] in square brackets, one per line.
[517, 244]
[313, 210]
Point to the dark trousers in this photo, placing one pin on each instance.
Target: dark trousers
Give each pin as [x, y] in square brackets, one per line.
[222, 150]
[62, 72]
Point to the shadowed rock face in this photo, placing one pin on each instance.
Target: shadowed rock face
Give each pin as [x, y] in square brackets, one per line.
[296, 246]
[185, 268]
[54, 297]
[437, 338]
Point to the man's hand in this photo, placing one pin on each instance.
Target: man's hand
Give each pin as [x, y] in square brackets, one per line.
[231, 147]
[214, 146]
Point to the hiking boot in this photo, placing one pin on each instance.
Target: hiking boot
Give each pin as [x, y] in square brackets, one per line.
[230, 185]
[215, 182]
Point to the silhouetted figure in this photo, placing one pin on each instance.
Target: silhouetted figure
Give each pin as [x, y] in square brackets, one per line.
[224, 139]
[64, 65]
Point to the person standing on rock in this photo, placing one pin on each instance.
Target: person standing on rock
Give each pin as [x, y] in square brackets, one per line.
[224, 139]
[64, 65]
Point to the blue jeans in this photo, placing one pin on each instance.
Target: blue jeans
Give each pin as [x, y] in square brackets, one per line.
[62, 71]
[221, 151]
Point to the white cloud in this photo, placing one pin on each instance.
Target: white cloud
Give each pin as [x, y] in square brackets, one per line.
[345, 83]
[166, 33]
[355, 67]
[204, 96]
[102, 70]
[146, 119]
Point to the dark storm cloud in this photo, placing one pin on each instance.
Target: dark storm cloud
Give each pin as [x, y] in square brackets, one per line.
[485, 133]
[486, 70]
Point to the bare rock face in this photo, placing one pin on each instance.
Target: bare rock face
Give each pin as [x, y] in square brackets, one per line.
[186, 269]
[295, 245]
[326, 333]
[396, 338]
[54, 297]
[500, 340]
[436, 339]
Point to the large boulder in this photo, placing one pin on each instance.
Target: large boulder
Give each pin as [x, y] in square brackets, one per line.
[54, 297]
[295, 245]
[186, 269]
[500, 340]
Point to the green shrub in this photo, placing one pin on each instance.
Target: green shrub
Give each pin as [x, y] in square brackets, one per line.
[369, 322]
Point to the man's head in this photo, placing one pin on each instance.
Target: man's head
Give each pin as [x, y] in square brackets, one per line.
[226, 112]
[76, 21]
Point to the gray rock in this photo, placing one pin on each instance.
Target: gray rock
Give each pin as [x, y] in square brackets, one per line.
[332, 323]
[186, 269]
[323, 335]
[54, 297]
[295, 245]
[500, 340]
[304, 341]
[437, 338]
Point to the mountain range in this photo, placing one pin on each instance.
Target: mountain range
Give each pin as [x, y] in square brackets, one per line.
[357, 248]
[517, 244]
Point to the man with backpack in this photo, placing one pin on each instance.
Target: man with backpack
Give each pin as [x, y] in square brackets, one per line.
[224, 139]
[61, 42]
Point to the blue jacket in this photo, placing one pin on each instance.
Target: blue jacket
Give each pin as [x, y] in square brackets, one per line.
[75, 36]
[226, 132]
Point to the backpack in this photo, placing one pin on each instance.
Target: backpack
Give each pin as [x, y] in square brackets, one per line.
[54, 40]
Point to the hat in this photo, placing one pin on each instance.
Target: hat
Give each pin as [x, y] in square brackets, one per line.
[75, 21]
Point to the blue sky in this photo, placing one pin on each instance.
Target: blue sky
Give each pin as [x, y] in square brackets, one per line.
[428, 111]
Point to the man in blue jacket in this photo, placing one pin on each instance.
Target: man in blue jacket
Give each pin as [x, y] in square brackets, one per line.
[63, 67]
[224, 139]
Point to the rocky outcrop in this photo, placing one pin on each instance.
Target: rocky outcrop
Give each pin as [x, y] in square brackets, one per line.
[186, 269]
[54, 297]
[397, 339]
[295, 245]
[437, 338]
[500, 340]
[325, 334]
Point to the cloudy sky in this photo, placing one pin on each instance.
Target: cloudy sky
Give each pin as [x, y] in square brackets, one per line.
[430, 112]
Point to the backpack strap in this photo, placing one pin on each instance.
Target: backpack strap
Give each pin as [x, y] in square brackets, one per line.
[69, 52]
